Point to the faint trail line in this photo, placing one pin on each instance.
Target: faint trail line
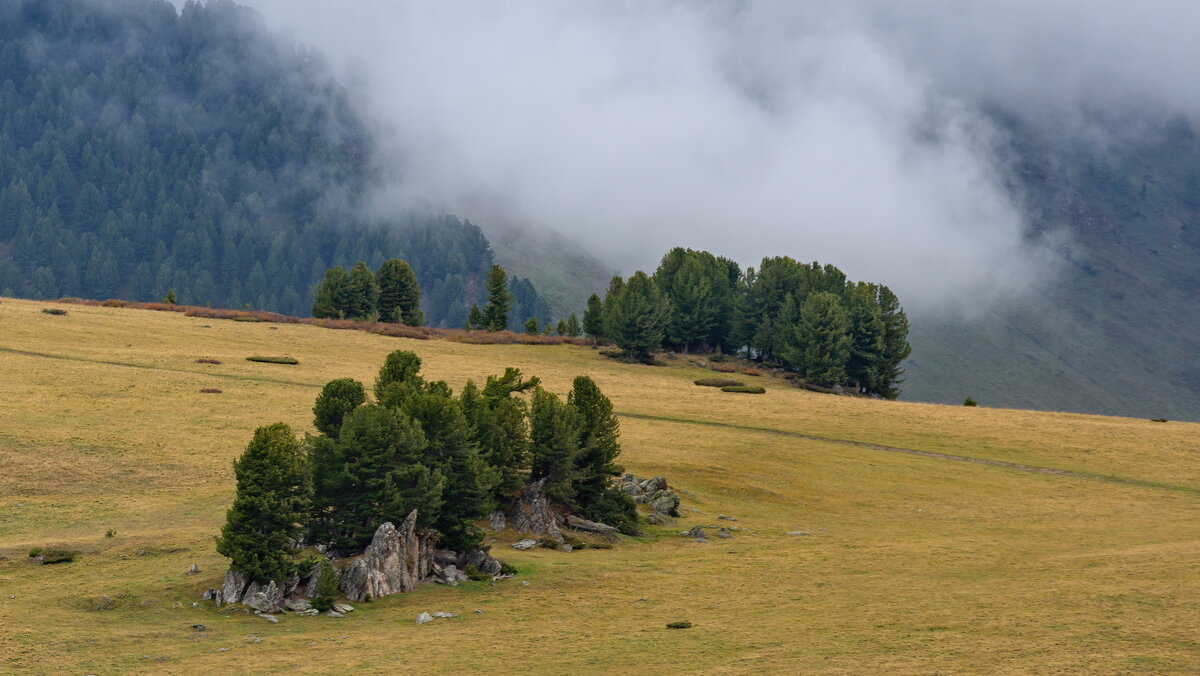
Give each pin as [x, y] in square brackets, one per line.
[206, 374]
[1143, 483]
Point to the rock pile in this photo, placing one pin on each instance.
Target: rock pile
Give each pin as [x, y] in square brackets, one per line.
[653, 492]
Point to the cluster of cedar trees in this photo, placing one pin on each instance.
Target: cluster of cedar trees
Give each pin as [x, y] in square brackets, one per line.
[418, 446]
[808, 317]
[390, 294]
[498, 313]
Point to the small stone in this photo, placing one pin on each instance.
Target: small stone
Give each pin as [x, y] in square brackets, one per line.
[724, 533]
[343, 607]
[334, 613]
[679, 625]
[564, 547]
[270, 618]
[254, 639]
[222, 650]
[478, 612]
[525, 582]
[195, 604]
[199, 627]
[726, 517]
[656, 519]
[194, 569]
[423, 618]
[298, 605]
[444, 614]
[796, 532]
[525, 544]
[696, 533]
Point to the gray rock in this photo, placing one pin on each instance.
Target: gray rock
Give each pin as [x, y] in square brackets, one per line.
[396, 561]
[199, 627]
[481, 560]
[234, 587]
[478, 611]
[270, 618]
[222, 650]
[333, 613]
[656, 519]
[213, 595]
[497, 522]
[653, 485]
[442, 613]
[531, 513]
[797, 532]
[194, 569]
[665, 501]
[724, 533]
[343, 607]
[696, 533]
[265, 598]
[423, 618]
[564, 547]
[724, 517]
[298, 605]
[253, 639]
[311, 612]
[524, 544]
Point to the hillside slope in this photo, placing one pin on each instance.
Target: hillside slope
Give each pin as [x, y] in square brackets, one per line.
[1119, 331]
[937, 539]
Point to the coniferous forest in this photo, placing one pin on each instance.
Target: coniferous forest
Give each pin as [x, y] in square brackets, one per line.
[145, 150]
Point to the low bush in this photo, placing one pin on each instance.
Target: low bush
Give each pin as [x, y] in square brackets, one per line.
[718, 382]
[206, 360]
[750, 372]
[274, 360]
[970, 402]
[50, 556]
[723, 368]
[35, 552]
[53, 311]
[679, 625]
[507, 569]
[745, 389]
[210, 390]
[110, 533]
[1158, 420]
[247, 318]
[476, 575]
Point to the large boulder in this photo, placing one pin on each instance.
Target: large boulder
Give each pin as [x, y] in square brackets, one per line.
[531, 513]
[665, 501]
[395, 562]
[234, 587]
[265, 598]
[481, 560]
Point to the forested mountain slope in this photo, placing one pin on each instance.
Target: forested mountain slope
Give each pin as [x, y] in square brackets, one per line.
[1119, 331]
[144, 150]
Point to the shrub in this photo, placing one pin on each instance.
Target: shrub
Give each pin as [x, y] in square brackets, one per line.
[679, 625]
[327, 587]
[745, 389]
[723, 368]
[1158, 420]
[507, 569]
[750, 372]
[110, 533]
[476, 575]
[210, 390]
[274, 360]
[53, 311]
[50, 556]
[248, 318]
[113, 302]
[206, 360]
[718, 382]
[35, 552]
[970, 402]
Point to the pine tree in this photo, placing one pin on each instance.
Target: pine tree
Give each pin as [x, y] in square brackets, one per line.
[337, 399]
[866, 336]
[495, 315]
[362, 293]
[269, 511]
[615, 286]
[400, 367]
[595, 463]
[399, 293]
[475, 319]
[329, 298]
[573, 326]
[554, 443]
[561, 327]
[531, 326]
[820, 344]
[895, 344]
[327, 587]
[170, 298]
[593, 319]
[638, 317]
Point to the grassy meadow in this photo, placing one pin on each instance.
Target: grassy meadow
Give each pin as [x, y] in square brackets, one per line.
[911, 563]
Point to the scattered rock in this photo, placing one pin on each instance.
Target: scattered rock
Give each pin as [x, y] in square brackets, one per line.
[265, 598]
[725, 517]
[478, 611]
[525, 544]
[105, 602]
[442, 613]
[270, 618]
[497, 522]
[531, 513]
[222, 650]
[423, 618]
[696, 533]
[656, 519]
[311, 612]
[333, 613]
[525, 582]
[609, 532]
[666, 502]
[343, 607]
[564, 547]
[199, 627]
[797, 532]
[194, 569]
[298, 605]
[254, 639]
[724, 533]
[234, 587]
[653, 485]
[212, 595]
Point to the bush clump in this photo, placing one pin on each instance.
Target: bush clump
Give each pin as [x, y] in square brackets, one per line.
[1158, 420]
[274, 360]
[210, 390]
[327, 587]
[718, 382]
[970, 402]
[745, 389]
[206, 360]
[679, 625]
[53, 311]
[50, 556]
[35, 552]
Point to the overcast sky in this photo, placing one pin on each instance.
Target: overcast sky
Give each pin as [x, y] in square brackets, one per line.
[840, 131]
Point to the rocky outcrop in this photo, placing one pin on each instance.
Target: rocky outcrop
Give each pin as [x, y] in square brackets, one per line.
[653, 492]
[234, 587]
[396, 561]
[531, 513]
[265, 598]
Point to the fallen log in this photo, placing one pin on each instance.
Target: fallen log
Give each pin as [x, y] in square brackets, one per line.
[604, 529]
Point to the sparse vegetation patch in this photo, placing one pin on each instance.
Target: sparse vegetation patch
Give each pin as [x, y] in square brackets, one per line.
[274, 360]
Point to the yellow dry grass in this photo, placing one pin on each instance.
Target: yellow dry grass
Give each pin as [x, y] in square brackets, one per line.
[913, 564]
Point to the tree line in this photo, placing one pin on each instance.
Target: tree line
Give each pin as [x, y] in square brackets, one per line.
[805, 316]
[419, 446]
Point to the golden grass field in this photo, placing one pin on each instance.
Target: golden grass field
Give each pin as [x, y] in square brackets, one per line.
[914, 564]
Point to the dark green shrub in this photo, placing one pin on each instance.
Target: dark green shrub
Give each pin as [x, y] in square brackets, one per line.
[970, 402]
[476, 575]
[679, 625]
[35, 552]
[274, 360]
[53, 311]
[718, 382]
[110, 533]
[1158, 420]
[327, 588]
[601, 545]
[58, 556]
[507, 569]
[745, 389]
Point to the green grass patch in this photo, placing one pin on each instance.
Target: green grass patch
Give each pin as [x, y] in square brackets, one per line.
[718, 382]
[274, 360]
[745, 389]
